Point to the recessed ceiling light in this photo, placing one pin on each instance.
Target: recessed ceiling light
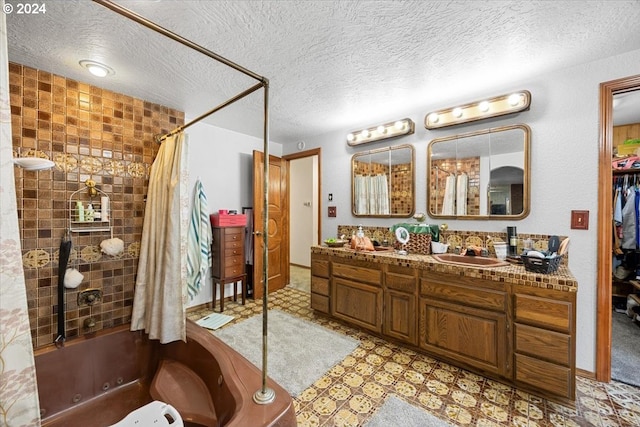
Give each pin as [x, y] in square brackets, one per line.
[96, 68]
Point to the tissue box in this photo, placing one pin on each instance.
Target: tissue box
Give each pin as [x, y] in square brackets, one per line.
[419, 243]
[226, 220]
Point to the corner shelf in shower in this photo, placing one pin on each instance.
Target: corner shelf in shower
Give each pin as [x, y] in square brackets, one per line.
[95, 196]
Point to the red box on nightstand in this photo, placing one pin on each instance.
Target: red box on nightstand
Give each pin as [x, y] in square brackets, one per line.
[226, 220]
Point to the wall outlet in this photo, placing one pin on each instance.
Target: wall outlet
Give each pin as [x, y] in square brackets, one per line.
[332, 211]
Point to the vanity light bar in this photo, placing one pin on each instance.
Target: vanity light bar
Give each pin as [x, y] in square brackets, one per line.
[385, 131]
[478, 110]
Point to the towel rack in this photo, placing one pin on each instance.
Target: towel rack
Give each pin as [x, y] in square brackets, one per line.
[101, 220]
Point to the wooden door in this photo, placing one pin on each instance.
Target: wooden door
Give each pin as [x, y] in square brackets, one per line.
[278, 225]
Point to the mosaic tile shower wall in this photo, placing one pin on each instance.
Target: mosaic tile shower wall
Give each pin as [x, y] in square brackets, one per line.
[89, 133]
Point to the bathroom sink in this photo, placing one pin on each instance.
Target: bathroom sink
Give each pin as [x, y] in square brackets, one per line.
[471, 261]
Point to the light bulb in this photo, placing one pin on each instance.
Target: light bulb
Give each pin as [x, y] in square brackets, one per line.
[434, 118]
[457, 112]
[484, 106]
[514, 99]
[365, 133]
[97, 71]
[399, 125]
[381, 130]
[96, 68]
[351, 137]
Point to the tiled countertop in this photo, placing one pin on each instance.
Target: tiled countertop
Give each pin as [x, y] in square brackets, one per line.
[561, 280]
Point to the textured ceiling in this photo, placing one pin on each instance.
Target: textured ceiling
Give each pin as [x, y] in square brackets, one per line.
[331, 64]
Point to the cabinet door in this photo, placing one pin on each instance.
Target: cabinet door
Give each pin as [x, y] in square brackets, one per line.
[400, 316]
[469, 335]
[358, 303]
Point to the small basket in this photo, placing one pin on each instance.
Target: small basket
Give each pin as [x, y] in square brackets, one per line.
[541, 265]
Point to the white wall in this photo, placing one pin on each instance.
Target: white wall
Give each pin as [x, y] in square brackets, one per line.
[223, 160]
[564, 125]
[303, 209]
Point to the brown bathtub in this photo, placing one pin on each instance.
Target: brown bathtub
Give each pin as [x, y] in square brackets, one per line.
[97, 381]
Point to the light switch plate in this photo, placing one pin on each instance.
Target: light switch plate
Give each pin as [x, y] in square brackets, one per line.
[580, 220]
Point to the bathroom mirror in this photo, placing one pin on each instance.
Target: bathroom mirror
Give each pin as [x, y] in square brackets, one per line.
[382, 182]
[480, 175]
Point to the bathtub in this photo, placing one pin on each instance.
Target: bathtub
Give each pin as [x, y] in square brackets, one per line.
[98, 380]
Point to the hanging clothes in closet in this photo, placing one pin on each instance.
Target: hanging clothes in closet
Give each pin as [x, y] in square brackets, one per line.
[626, 225]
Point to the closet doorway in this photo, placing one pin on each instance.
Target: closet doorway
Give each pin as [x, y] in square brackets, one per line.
[608, 92]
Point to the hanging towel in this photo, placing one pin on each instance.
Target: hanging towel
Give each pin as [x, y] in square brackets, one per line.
[198, 242]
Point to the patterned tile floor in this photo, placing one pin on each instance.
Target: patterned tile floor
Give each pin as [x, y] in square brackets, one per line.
[351, 392]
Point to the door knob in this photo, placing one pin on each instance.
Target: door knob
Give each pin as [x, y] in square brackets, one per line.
[257, 233]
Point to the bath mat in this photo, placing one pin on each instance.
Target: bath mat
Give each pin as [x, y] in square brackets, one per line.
[214, 320]
[397, 412]
[300, 352]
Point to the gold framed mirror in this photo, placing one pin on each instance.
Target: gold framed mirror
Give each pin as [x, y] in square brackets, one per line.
[480, 175]
[383, 182]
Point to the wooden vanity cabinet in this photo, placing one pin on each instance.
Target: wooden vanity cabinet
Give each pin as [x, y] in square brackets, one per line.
[520, 335]
[400, 303]
[544, 343]
[320, 283]
[465, 320]
[356, 293]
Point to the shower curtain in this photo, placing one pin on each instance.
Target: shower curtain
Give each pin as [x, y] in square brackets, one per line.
[19, 404]
[361, 190]
[161, 291]
[380, 196]
[461, 194]
[449, 195]
[371, 195]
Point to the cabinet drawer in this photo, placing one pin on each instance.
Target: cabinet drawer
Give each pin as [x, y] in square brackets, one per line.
[320, 285]
[400, 282]
[320, 302]
[360, 274]
[233, 270]
[544, 376]
[233, 266]
[545, 312]
[229, 232]
[232, 251]
[230, 245]
[465, 295]
[319, 268]
[543, 344]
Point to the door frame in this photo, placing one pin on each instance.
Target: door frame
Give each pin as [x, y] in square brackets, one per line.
[300, 155]
[605, 213]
